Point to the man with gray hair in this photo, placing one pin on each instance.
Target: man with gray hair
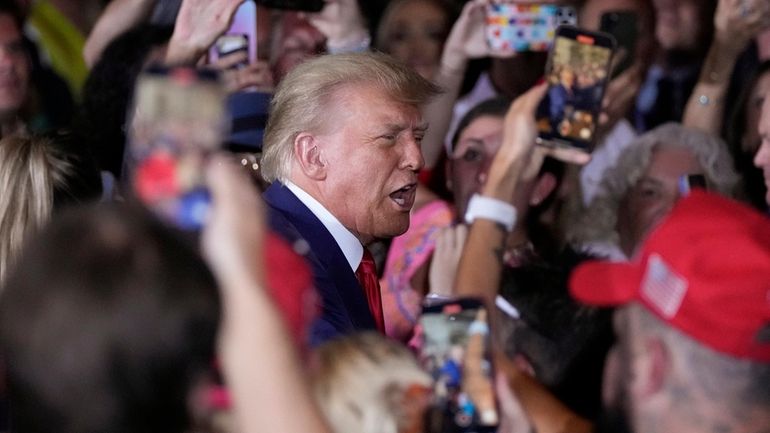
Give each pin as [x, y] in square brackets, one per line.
[342, 150]
[692, 323]
[645, 183]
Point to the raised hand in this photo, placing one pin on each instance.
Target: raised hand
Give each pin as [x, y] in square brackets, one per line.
[342, 23]
[197, 27]
[736, 22]
[467, 39]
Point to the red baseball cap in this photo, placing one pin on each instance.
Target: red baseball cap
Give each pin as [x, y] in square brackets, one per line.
[704, 270]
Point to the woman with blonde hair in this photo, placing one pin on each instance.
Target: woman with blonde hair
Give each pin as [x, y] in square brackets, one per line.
[366, 383]
[37, 176]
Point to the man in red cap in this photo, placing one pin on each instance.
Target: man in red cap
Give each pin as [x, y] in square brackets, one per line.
[693, 323]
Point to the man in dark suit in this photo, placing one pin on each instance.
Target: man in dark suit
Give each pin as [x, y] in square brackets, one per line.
[342, 150]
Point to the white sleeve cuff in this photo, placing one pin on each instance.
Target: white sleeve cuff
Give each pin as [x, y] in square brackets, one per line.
[491, 209]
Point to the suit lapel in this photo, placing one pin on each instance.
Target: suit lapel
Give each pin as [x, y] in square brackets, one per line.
[326, 251]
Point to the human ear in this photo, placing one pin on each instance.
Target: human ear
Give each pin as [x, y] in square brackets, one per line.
[654, 368]
[309, 156]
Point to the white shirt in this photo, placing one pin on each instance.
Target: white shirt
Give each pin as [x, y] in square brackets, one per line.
[349, 244]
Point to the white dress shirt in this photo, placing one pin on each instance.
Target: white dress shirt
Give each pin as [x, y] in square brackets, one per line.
[349, 244]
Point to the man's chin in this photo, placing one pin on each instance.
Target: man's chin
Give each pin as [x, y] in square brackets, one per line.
[397, 227]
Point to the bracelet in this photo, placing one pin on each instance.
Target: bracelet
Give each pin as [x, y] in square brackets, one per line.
[491, 209]
[705, 100]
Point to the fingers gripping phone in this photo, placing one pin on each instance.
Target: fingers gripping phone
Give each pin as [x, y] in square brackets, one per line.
[577, 75]
[178, 118]
[525, 27]
[455, 350]
[241, 36]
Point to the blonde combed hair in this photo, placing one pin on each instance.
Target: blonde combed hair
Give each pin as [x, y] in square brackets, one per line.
[359, 383]
[305, 97]
[30, 169]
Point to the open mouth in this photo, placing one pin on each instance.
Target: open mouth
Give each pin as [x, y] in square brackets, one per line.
[404, 197]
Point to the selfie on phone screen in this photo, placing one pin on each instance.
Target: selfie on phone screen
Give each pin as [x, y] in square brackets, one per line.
[456, 352]
[577, 76]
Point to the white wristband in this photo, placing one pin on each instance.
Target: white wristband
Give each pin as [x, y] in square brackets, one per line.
[491, 209]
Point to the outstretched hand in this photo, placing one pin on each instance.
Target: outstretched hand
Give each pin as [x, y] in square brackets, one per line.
[519, 158]
[736, 22]
[197, 27]
[341, 22]
[467, 39]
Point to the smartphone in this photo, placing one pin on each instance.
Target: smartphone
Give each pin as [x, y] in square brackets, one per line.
[455, 351]
[577, 74]
[623, 26]
[525, 27]
[178, 118]
[241, 36]
[295, 5]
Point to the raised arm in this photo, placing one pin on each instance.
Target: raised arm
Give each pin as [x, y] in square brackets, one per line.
[344, 26]
[466, 41]
[736, 22]
[268, 388]
[197, 27]
[118, 17]
[478, 273]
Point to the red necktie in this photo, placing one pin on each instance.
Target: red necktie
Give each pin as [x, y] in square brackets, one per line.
[367, 276]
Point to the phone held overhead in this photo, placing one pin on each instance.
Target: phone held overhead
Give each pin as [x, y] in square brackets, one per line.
[577, 75]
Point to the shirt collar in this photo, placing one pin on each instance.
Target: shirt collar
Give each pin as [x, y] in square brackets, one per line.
[349, 244]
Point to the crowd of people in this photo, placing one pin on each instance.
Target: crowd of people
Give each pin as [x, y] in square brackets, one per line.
[178, 255]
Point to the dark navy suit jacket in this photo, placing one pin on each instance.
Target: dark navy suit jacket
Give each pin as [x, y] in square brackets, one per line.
[344, 306]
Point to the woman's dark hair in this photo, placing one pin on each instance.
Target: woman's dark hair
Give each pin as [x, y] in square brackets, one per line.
[496, 107]
[109, 89]
[735, 128]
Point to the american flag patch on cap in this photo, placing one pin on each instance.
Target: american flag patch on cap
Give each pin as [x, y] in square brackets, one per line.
[663, 288]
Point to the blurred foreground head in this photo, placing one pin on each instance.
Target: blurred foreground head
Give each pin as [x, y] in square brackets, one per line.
[106, 324]
[692, 324]
[368, 384]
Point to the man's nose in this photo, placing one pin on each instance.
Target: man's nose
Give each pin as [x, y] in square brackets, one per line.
[412, 158]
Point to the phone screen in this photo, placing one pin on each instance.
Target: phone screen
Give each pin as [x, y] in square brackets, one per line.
[455, 351]
[525, 27]
[578, 70]
[242, 34]
[178, 118]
